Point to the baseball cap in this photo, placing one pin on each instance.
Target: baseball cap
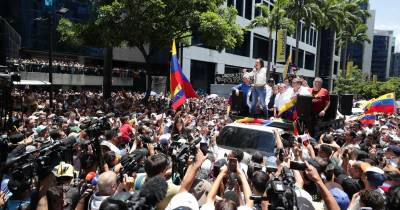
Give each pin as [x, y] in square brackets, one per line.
[40, 128]
[375, 176]
[183, 200]
[395, 149]
[64, 170]
[341, 198]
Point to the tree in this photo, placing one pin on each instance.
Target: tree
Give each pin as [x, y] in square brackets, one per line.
[375, 89]
[331, 14]
[352, 83]
[352, 30]
[302, 10]
[152, 24]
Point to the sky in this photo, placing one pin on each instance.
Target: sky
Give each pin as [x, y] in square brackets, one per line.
[387, 17]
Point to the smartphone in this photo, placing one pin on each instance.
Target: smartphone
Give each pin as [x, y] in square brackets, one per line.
[232, 165]
[204, 148]
[300, 166]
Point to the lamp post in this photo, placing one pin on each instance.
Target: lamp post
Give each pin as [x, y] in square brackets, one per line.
[61, 12]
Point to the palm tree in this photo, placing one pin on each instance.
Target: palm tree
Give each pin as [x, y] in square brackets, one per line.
[302, 10]
[352, 30]
[274, 18]
[331, 14]
[357, 36]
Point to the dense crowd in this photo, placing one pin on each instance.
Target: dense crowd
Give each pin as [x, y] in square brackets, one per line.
[127, 155]
[64, 67]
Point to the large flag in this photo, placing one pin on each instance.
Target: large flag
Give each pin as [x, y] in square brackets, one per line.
[288, 67]
[288, 111]
[367, 119]
[385, 104]
[179, 84]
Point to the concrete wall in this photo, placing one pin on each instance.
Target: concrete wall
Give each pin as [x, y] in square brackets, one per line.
[223, 90]
[367, 48]
[75, 79]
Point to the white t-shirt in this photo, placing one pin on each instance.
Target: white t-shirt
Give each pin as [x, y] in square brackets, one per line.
[281, 99]
[260, 76]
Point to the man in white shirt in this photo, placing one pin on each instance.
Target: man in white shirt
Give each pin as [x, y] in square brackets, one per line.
[281, 98]
[258, 90]
[298, 89]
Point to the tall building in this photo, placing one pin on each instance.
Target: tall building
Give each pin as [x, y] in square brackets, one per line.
[392, 52]
[201, 64]
[396, 65]
[381, 53]
[30, 20]
[10, 41]
[361, 55]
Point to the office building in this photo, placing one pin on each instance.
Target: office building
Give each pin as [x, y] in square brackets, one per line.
[10, 41]
[381, 54]
[396, 65]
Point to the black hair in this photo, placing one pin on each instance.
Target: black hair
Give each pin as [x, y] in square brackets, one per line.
[372, 198]
[257, 157]
[238, 154]
[109, 134]
[259, 181]
[393, 198]
[225, 204]
[155, 164]
[113, 204]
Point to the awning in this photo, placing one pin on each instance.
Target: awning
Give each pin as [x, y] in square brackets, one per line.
[31, 82]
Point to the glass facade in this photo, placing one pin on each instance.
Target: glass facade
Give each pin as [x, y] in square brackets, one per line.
[380, 56]
[260, 47]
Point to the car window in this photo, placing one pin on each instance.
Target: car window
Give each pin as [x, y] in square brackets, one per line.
[248, 140]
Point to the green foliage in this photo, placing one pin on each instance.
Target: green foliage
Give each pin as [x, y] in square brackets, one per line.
[152, 24]
[354, 83]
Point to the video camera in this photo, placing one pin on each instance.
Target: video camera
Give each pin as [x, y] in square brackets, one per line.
[180, 155]
[281, 189]
[40, 162]
[131, 164]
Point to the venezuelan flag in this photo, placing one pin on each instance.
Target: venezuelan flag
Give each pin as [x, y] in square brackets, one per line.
[288, 111]
[176, 81]
[385, 104]
[287, 70]
[367, 119]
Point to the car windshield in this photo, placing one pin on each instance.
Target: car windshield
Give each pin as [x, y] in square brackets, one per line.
[247, 140]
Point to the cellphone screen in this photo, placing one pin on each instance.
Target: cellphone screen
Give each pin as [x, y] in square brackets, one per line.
[204, 148]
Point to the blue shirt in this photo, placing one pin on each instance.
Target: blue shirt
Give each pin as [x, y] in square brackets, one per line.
[244, 88]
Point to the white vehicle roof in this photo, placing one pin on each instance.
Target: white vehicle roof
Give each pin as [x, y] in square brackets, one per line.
[255, 127]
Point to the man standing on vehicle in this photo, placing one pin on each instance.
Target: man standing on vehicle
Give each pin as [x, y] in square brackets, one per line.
[321, 99]
[259, 90]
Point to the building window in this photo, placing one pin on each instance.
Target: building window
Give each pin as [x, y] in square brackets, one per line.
[315, 38]
[239, 7]
[248, 9]
[233, 69]
[303, 33]
[335, 67]
[287, 53]
[257, 11]
[202, 75]
[231, 3]
[260, 47]
[244, 49]
[309, 61]
[301, 57]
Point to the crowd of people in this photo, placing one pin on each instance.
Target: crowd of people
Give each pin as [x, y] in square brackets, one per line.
[122, 153]
[64, 67]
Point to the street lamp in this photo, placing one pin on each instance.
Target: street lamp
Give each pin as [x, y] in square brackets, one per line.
[62, 11]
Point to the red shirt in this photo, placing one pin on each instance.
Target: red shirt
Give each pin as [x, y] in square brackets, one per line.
[320, 99]
[126, 131]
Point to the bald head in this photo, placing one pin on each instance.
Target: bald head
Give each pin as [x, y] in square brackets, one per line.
[107, 183]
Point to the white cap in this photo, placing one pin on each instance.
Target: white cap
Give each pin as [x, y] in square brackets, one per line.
[183, 199]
